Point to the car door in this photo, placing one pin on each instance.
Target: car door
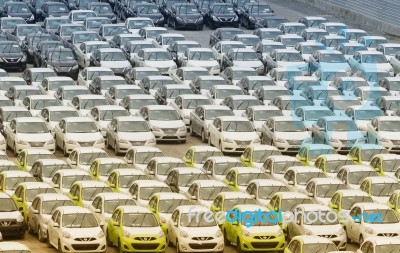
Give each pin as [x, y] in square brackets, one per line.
[353, 225]
[173, 226]
[113, 226]
[81, 54]
[52, 228]
[59, 131]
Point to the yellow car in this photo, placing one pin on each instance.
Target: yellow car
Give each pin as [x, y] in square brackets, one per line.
[363, 153]
[238, 178]
[26, 192]
[309, 153]
[82, 193]
[28, 157]
[121, 179]
[133, 229]
[394, 201]
[343, 200]
[197, 155]
[331, 164]
[310, 243]
[385, 164]
[256, 155]
[101, 168]
[9, 180]
[162, 204]
[262, 236]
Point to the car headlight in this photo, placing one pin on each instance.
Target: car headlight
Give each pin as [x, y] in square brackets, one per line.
[228, 140]
[100, 141]
[384, 140]
[156, 129]
[199, 19]
[123, 141]
[32, 17]
[50, 142]
[71, 142]
[219, 233]
[258, 140]
[183, 234]
[160, 234]
[361, 139]
[246, 233]
[127, 233]
[65, 234]
[280, 140]
[24, 58]
[342, 232]
[279, 232]
[252, 19]
[100, 234]
[114, 18]
[260, 67]
[22, 142]
[214, 18]
[151, 141]
[308, 232]
[369, 231]
[20, 218]
[182, 128]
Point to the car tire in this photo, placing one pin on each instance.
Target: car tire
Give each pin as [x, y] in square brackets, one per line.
[40, 235]
[361, 240]
[108, 241]
[192, 133]
[226, 240]
[203, 136]
[48, 240]
[59, 248]
[238, 246]
[65, 150]
[348, 239]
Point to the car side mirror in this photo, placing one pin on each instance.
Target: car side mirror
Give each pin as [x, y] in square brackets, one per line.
[290, 183]
[310, 194]
[56, 225]
[334, 206]
[232, 183]
[97, 211]
[35, 211]
[193, 198]
[392, 206]
[14, 130]
[235, 223]
[302, 159]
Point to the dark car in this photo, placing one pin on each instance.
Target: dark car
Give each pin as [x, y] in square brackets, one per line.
[36, 8]
[65, 31]
[51, 24]
[239, 5]
[185, 16]
[271, 21]
[222, 14]
[254, 12]
[80, 4]
[18, 9]
[31, 41]
[12, 56]
[204, 5]
[40, 49]
[126, 10]
[166, 7]
[94, 23]
[62, 60]
[149, 10]
[54, 9]
[103, 10]
[221, 34]
[7, 24]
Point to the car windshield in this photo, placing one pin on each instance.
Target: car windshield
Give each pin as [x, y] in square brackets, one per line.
[81, 16]
[163, 115]
[79, 220]
[111, 114]
[349, 201]
[328, 190]
[11, 23]
[192, 74]
[201, 157]
[271, 94]
[88, 158]
[139, 220]
[332, 58]
[291, 42]
[81, 127]
[319, 247]
[59, 115]
[145, 157]
[146, 192]
[114, 30]
[227, 35]
[67, 181]
[62, 56]
[254, 84]
[335, 42]
[84, 37]
[230, 203]
[133, 126]
[358, 176]
[290, 57]
[186, 179]
[66, 31]
[262, 115]
[158, 56]
[289, 126]
[199, 220]
[386, 215]
[223, 93]
[57, 8]
[384, 189]
[213, 114]
[390, 165]
[93, 74]
[5, 85]
[293, 104]
[208, 84]
[392, 50]
[125, 181]
[244, 104]
[40, 104]
[69, 94]
[244, 179]
[32, 128]
[314, 115]
[31, 194]
[49, 206]
[111, 204]
[164, 168]
[368, 154]
[5, 167]
[169, 205]
[310, 49]
[391, 248]
[18, 8]
[168, 40]
[88, 193]
[113, 56]
[352, 85]
[5, 102]
[266, 192]
[139, 75]
[237, 126]
[106, 169]
[7, 205]
[90, 103]
[221, 169]
[13, 182]
[389, 126]
[138, 24]
[290, 203]
[287, 75]
[313, 154]
[20, 94]
[8, 116]
[343, 104]
[152, 34]
[227, 47]
[341, 126]
[330, 76]
[54, 85]
[10, 48]
[333, 166]
[374, 58]
[25, 30]
[139, 103]
[39, 76]
[260, 156]
[368, 114]
[372, 95]
[96, 23]
[102, 9]
[268, 48]
[187, 9]
[201, 56]
[245, 56]
[210, 193]
[50, 170]
[303, 177]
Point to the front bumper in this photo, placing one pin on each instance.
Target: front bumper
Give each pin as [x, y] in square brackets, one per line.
[135, 244]
[170, 135]
[37, 145]
[76, 245]
[12, 228]
[262, 243]
[192, 245]
[13, 65]
[123, 147]
[70, 146]
[236, 146]
[189, 24]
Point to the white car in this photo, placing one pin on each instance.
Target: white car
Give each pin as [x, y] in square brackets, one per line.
[262, 190]
[256, 155]
[101, 168]
[232, 134]
[113, 58]
[159, 167]
[65, 94]
[76, 132]
[200, 57]
[379, 188]
[197, 155]
[64, 179]
[239, 103]
[116, 93]
[243, 58]
[307, 48]
[313, 244]
[53, 114]
[84, 103]
[331, 163]
[358, 229]
[284, 132]
[379, 243]
[164, 122]
[164, 40]
[203, 192]
[142, 190]
[36, 75]
[125, 132]
[103, 114]
[139, 156]
[155, 57]
[216, 167]
[82, 158]
[86, 49]
[35, 103]
[101, 84]
[186, 104]
[29, 132]
[282, 74]
[17, 93]
[180, 179]
[321, 190]
[39, 213]
[353, 175]
[44, 169]
[222, 47]
[150, 33]
[219, 92]
[87, 74]
[50, 85]
[297, 177]
[184, 75]
[362, 115]
[328, 229]
[69, 227]
[184, 230]
[203, 84]
[135, 24]
[11, 112]
[386, 164]
[6, 82]
[138, 73]
[383, 130]
[78, 16]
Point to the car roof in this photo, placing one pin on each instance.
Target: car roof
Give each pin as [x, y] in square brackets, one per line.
[72, 172]
[285, 118]
[324, 181]
[150, 183]
[306, 169]
[232, 118]
[188, 170]
[52, 196]
[167, 159]
[356, 168]
[243, 170]
[234, 195]
[36, 185]
[388, 118]
[169, 195]
[209, 183]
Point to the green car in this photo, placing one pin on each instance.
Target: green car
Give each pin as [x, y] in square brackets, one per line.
[133, 229]
[363, 153]
[309, 153]
[162, 204]
[197, 155]
[121, 179]
[82, 193]
[385, 164]
[310, 243]
[26, 192]
[101, 168]
[28, 157]
[256, 155]
[262, 236]
[238, 178]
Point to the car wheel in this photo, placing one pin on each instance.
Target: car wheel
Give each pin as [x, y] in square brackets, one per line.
[178, 250]
[203, 136]
[169, 243]
[108, 241]
[120, 249]
[238, 246]
[40, 235]
[361, 240]
[226, 240]
[59, 248]
[30, 230]
[192, 133]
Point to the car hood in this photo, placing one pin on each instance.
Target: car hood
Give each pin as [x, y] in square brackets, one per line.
[83, 232]
[338, 66]
[20, 15]
[58, 14]
[9, 215]
[292, 64]
[149, 231]
[380, 200]
[247, 64]
[202, 63]
[292, 135]
[350, 135]
[324, 229]
[242, 136]
[83, 136]
[383, 228]
[35, 137]
[141, 136]
[11, 55]
[159, 64]
[151, 16]
[171, 123]
[362, 123]
[263, 229]
[377, 66]
[115, 64]
[201, 231]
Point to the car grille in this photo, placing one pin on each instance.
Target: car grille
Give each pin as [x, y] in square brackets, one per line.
[226, 19]
[85, 239]
[202, 246]
[144, 238]
[163, 69]
[170, 130]
[243, 142]
[388, 234]
[264, 237]
[86, 144]
[264, 244]
[348, 142]
[117, 70]
[12, 60]
[36, 144]
[145, 246]
[327, 236]
[294, 142]
[85, 246]
[396, 142]
[5, 223]
[202, 238]
[137, 143]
